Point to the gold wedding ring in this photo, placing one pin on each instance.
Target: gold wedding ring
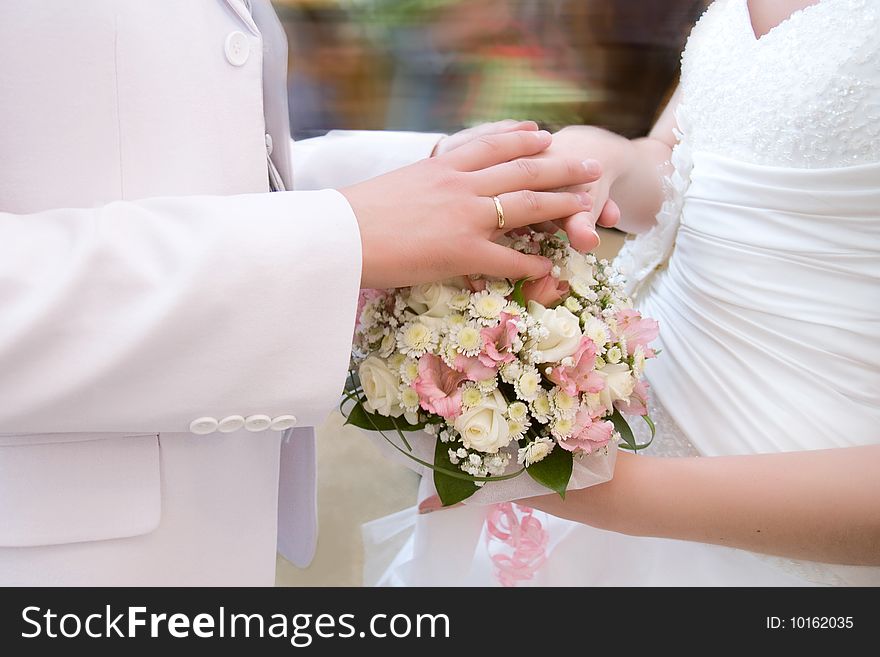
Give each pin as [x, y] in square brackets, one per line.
[500, 210]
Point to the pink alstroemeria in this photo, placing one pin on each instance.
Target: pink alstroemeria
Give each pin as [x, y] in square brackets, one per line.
[579, 377]
[588, 433]
[637, 404]
[439, 387]
[497, 342]
[637, 330]
[547, 290]
[473, 369]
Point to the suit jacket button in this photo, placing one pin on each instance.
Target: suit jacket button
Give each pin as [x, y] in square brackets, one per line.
[283, 422]
[257, 422]
[237, 48]
[231, 423]
[203, 426]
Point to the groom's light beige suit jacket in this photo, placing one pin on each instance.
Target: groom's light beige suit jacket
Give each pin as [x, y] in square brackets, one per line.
[165, 322]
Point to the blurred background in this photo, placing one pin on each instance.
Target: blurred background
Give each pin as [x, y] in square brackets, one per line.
[439, 66]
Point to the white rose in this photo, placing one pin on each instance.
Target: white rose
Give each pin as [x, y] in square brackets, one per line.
[431, 299]
[381, 386]
[483, 426]
[564, 332]
[619, 384]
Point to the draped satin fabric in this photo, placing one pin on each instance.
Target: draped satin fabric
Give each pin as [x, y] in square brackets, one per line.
[780, 352]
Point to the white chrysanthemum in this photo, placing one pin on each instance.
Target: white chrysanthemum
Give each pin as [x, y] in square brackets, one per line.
[541, 407]
[600, 363]
[487, 306]
[566, 406]
[639, 362]
[471, 395]
[517, 411]
[409, 399]
[416, 339]
[517, 428]
[500, 286]
[409, 369]
[460, 300]
[468, 340]
[528, 384]
[596, 330]
[535, 451]
[562, 427]
[487, 386]
[573, 304]
[511, 371]
[456, 321]
[613, 355]
[513, 308]
[396, 361]
[593, 403]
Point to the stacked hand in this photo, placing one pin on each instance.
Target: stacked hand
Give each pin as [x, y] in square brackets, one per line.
[437, 218]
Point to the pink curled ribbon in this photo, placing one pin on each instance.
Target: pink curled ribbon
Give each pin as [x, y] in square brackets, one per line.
[523, 542]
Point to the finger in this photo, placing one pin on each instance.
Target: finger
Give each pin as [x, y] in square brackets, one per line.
[610, 215]
[501, 127]
[502, 262]
[489, 150]
[538, 174]
[526, 208]
[581, 231]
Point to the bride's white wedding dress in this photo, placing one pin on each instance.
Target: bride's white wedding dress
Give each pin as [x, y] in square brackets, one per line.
[769, 304]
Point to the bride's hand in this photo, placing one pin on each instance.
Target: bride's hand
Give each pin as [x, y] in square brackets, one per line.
[578, 142]
[462, 137]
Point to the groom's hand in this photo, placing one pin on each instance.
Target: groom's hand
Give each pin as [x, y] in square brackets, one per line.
[580, 227]
[436, 219]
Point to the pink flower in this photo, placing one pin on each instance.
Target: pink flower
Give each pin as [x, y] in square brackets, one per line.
[473, 369]
[579, 377]
[547, 291]
[438, 387]
[637, 330]
[637, 404]
[588, 434]
[497, 342]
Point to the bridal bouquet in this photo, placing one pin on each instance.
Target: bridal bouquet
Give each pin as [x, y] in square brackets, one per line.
[505, 377]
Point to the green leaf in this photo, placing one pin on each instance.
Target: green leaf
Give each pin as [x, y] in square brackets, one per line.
[451, 490]
[517, 295]
[359, 417]
[554, 470]
[626, 434]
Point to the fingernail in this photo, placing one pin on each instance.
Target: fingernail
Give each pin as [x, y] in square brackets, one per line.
[592, 167]
[586, 199]
[543, 135]
[598, 239]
